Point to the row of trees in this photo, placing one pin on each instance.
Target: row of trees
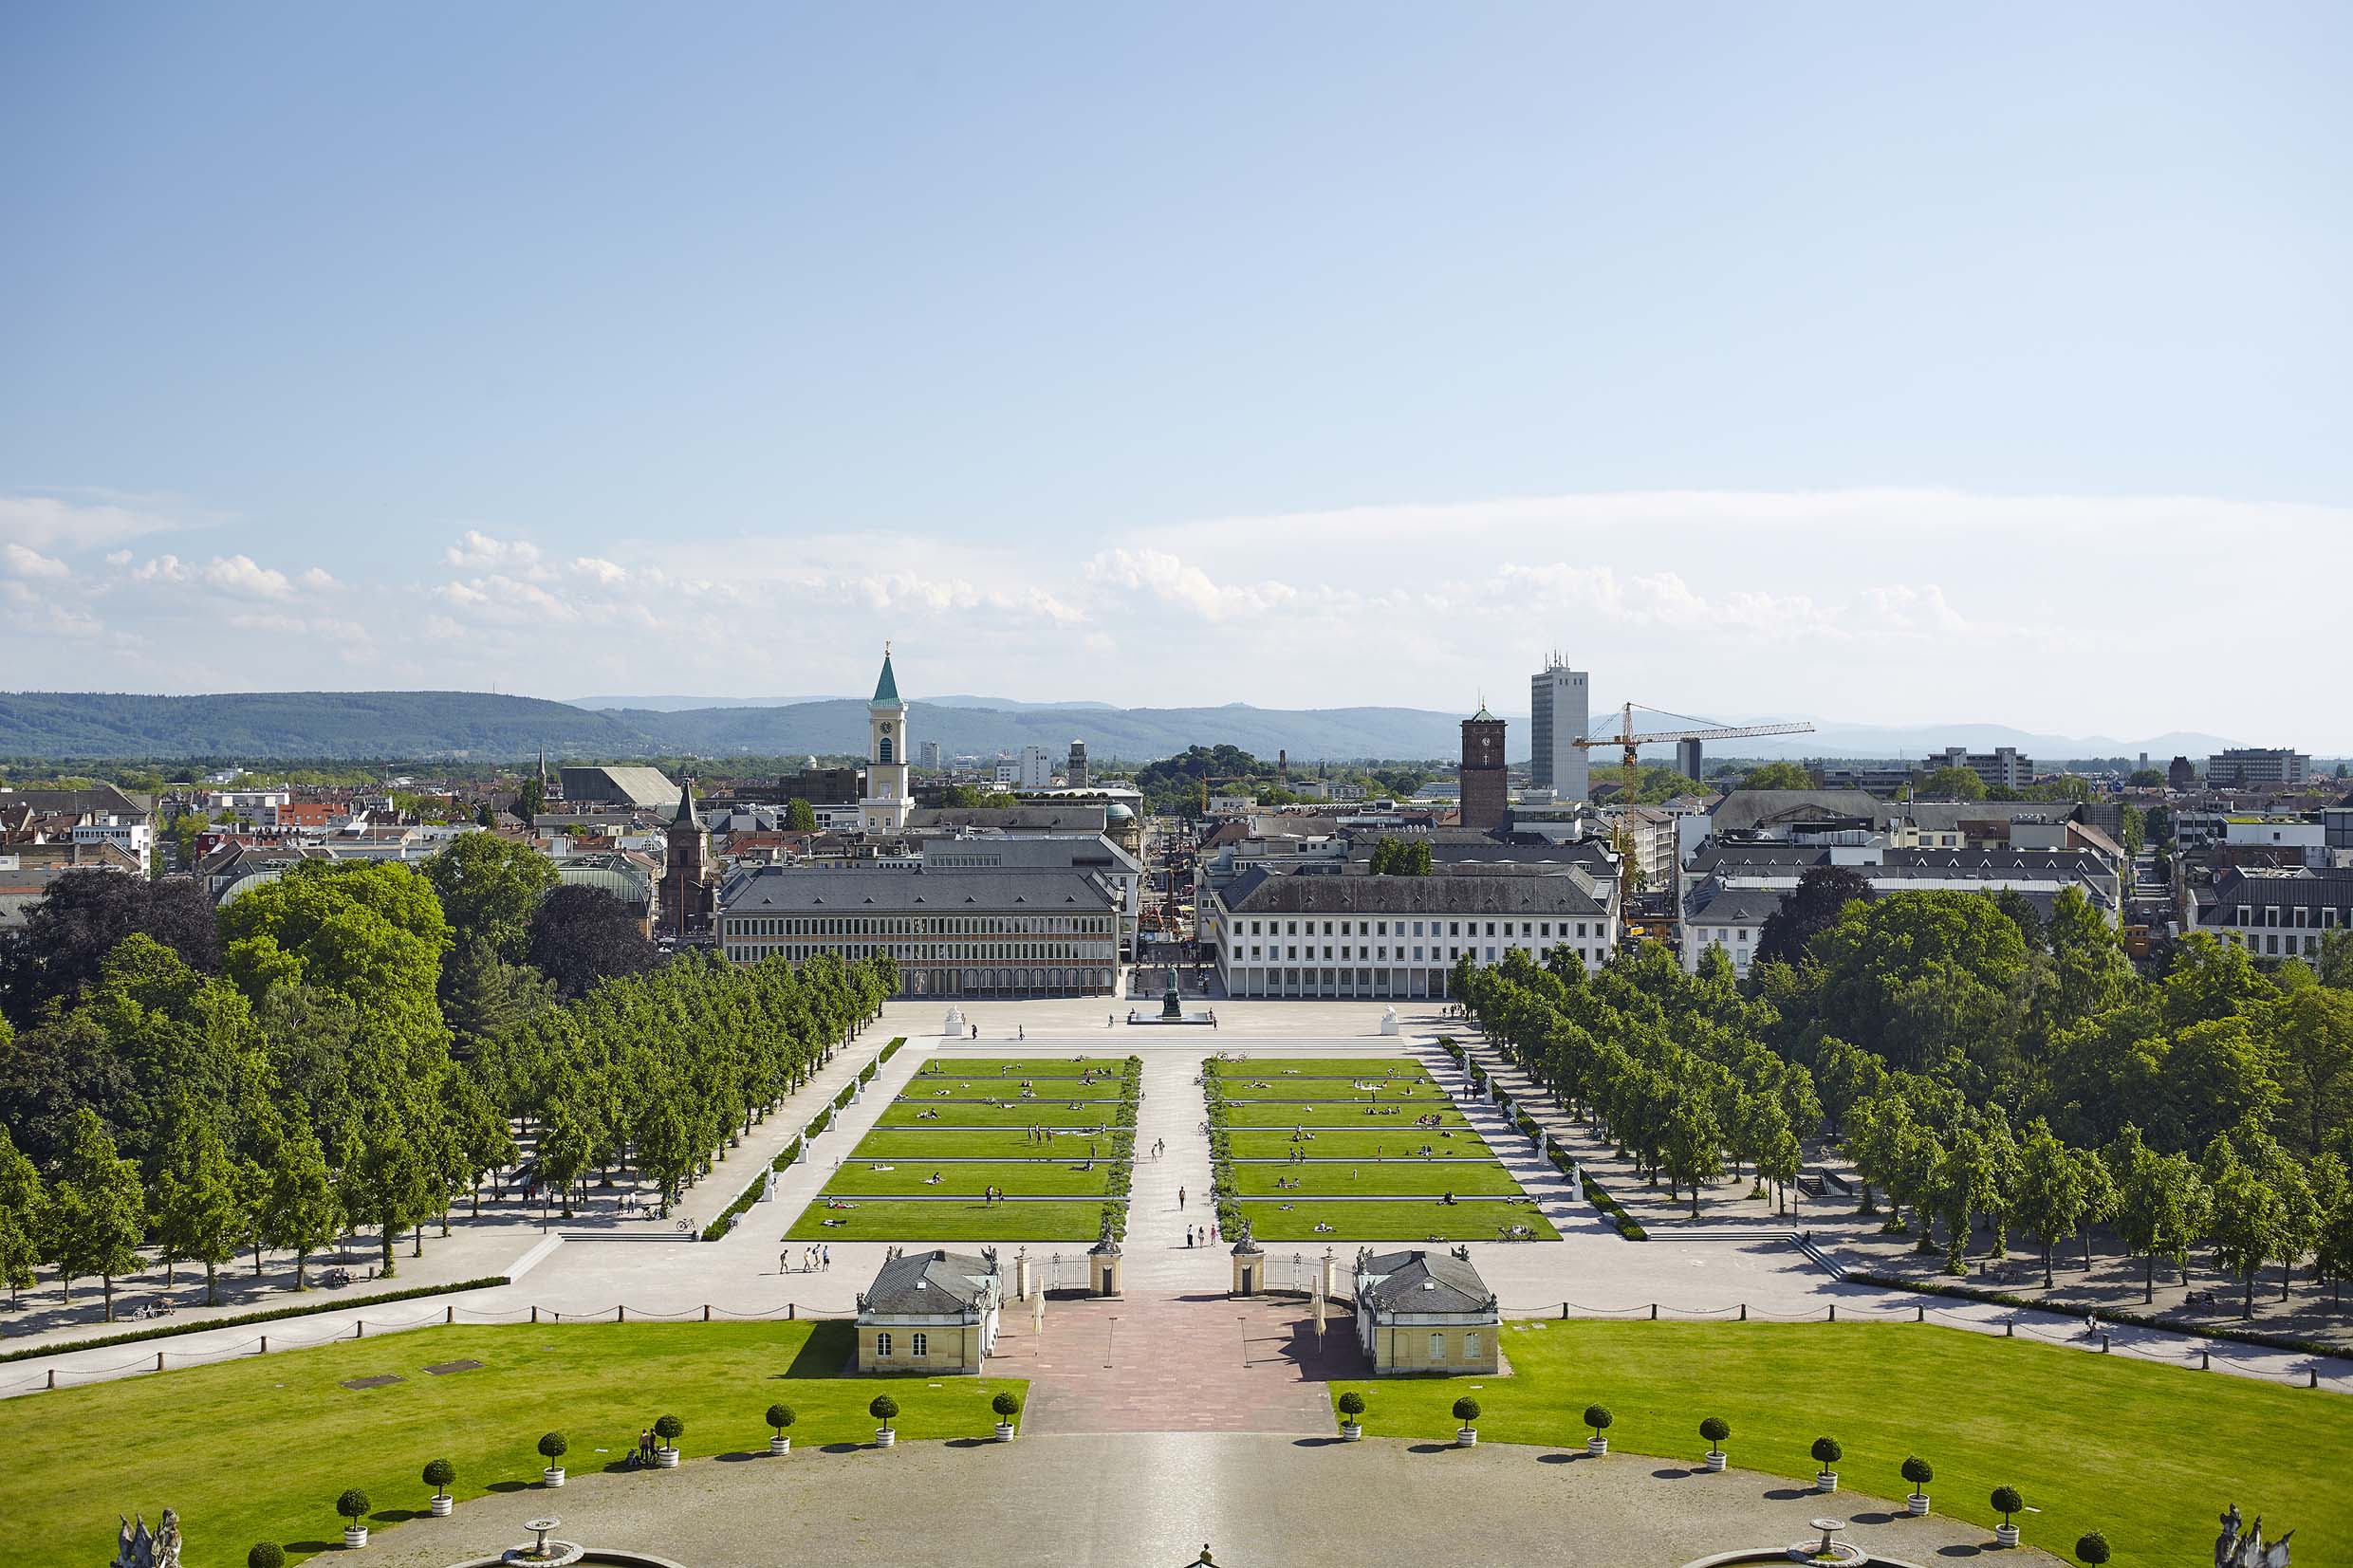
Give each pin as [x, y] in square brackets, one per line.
[355, 1045]
[1673, 1068]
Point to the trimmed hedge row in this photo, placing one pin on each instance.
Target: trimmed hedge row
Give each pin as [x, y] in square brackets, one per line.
[2114, 1314]
[749, 1195]
[1609, 1208]
[892, 1049]
[822, 1120]
[240, 1319]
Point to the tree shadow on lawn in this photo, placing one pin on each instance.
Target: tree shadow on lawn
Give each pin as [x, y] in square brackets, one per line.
[315, 1545]
[1317, 1442]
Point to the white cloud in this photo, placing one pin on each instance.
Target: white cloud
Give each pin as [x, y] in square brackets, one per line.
[51, 521]
[23, 560]
[476, 550]
[1170, 580]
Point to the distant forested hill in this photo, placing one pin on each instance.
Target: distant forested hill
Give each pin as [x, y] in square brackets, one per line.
[265, 725]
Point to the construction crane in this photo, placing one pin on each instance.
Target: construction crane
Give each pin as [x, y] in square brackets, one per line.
[1631, 778]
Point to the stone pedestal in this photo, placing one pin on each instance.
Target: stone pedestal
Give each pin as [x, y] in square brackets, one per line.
[1249, 1266]
[1103, 1265]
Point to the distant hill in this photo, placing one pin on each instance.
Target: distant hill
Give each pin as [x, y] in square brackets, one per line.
[425, 725]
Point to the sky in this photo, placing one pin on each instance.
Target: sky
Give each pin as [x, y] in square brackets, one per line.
[1864, 362]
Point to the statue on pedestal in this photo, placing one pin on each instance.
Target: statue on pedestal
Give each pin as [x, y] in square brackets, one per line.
[135, 1548]
[2244, 1548]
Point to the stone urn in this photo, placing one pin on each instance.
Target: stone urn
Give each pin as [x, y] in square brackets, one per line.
[1467, 1437]
[1715, 1463]
[1825, 1481]
[1916, 1504]
[439, 1507]
[355, 1536]
[884, 1437]
[552, 1476]
[2005, 1534]
[665, 1458]
[1596, 1446]
[779, 1447]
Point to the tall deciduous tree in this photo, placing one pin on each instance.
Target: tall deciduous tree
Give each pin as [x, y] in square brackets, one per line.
[2051, 1193]
[198, 1215]
[301, 1212]
[81, 919]
[2161, 1204]
[2248, 1220]
[490, 887]
[98, 1210]
[580, 936]
[24, 1217]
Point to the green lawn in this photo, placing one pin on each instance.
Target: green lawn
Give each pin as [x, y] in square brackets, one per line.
[1345, 1113]
[1413, 1178]
[1020, 1068]
[881, 1220]
[258, 1449]
[1472, 1219]
[908, 1177]
[923, 1113]
[1367, 1067]
[1356, 1144]
[1042, 1090]
[1009, 1144]
[2147, 1453]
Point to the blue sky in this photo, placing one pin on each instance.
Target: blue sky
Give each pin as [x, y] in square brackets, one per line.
[1853, 360]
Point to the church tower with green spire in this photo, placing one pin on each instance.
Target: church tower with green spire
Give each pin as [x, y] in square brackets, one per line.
[884, 806]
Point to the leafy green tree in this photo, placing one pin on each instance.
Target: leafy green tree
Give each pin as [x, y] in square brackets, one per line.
[1952, 783]
[300, 1211]
[490, 887]
[1813, 907]
[563, 1151]
[2051, 1192]
[2312, 1024]
[1692, 1145]
[1777, 776]
[2334, 961]
[483, 994]
[2335, 1250]
[98, 1209]
[1778, 1153]
[2250, 1220]
[24, 1217]
[2161, 1204]
[199, 1214]
[800, 817]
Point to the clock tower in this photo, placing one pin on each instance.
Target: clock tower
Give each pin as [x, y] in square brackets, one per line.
[886, 803]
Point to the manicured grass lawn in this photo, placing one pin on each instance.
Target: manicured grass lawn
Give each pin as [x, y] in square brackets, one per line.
[929, 1142]
[1410, 1178]
[1342, 1112]
[1021, 1067]
[1357, 1144]
[1060, 1178]
[881, 1220]
[2148, 1455]
[259, 1449]
[1042, 1090]
[1365, 1067]
[977, 1113]
[1472, 1219]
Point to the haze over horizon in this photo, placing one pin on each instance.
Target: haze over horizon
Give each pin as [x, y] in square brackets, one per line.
[1894, 367]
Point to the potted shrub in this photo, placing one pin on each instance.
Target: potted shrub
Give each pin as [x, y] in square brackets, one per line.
[1466, 1411]
[779, 1417]
[1007, 1406]
[265, 1553]
[1715, 1430]
[1826, 1454]
[667, 1428]
[1598, 1418]
[2091, 1548]
[2006, 1503]
[886, 1409]
[1917, 1471]
[439, 1474]
[353, 1505]
[1351, 1406]
[551, 1446]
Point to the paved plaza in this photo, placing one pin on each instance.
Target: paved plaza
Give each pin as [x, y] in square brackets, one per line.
[604, 1260]
[1152, 1501]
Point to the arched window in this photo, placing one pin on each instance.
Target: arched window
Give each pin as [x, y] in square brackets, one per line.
[922, 1345]
[884, 755]
[1437, 1347]
[883, 1344]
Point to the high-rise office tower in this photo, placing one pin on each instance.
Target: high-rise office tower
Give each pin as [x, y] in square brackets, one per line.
[1557, 702]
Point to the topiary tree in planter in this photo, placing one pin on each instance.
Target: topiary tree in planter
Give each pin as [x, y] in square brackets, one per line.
[1715, 1429]
[669, 1429]
[883, 1409]
[1919, 1472]
[1598, 1418]
[1006, 1406]
[1827, 1453]
[439, 1474]
[552, 1445]
[265, 1553]
[2092, 1548]
[1466, 1411]
[353, 1505]
[1351, 1406]
[778, 1418]
[2006, 1503]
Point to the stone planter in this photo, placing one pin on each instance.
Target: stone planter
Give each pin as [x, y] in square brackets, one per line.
[1825, 1481]
[1467, 1437]
[665, 1458]
[1596, 1446]
[1351, 1432]
[1918, 1504]
[355, 1536]
[2005, 1534]
[884, 1437]
[1005, 1431]
[552, 1476]
[779, 1447]
[439, 1507]
[1716, 1464]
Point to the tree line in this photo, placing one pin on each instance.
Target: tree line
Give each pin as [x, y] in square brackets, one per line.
[357, 1044]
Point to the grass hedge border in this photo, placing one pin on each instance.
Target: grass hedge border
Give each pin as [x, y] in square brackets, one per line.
[271, 1315]
[2107, 1314]
[751, 1194]
[892, 1049]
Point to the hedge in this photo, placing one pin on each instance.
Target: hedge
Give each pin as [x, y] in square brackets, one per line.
[749, 1195]
[240, 1319]
[843, 1099]
[892, 1049]
[822, 1120]
[865, 1074]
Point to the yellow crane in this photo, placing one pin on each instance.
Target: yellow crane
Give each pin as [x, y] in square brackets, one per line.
[1631, 773]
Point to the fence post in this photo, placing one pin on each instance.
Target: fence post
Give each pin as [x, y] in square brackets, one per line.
[1834, 1311]
[1923, 1315]
[359, 1329]
[158, 1361]
[52, 1377]
[2205, 1360]
[2010, 1328]
[620, 1314]
[706, 1311]
[1563, 1312]
[2314, 1374]
[451, 1316]
[792, 1311]
[534, 1315]
[265, 1350]
[1654, 1312]
[2103, 1344]
[1744, 1312]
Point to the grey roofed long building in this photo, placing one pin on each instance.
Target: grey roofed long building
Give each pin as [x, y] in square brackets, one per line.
[1424, 1281]
[964, 931]
[1259, 891]
[925, 1284]
[1748, 810]
[1056, 817]
[634, 786]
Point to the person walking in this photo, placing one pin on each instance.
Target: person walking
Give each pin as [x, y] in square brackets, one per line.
[783, 1261]
[824, 1259]
[1180, 1200]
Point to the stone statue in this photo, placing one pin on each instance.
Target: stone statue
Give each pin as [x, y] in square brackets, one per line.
[135, 1548]
[2237, 1548]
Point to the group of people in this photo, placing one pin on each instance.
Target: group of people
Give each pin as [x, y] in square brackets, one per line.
[1207, 1234]
[1037, 1134]
[814, 1260]
[992, 1196]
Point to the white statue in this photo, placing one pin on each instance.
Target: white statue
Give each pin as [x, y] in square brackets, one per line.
[1388, 1021]
[954, 1027]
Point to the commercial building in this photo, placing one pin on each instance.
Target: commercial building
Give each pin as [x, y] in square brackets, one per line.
[1485, 779]
[1426, 1312]
[2257, 767]
[1335, 935]
[933, 1312]
[2001, 769]
[927, 755]
[646, 787]
[952, 932]
[2273, 916]
[1559, 711]
[1074, 773]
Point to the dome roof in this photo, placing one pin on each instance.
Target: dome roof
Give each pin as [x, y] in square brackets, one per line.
[1115, 812]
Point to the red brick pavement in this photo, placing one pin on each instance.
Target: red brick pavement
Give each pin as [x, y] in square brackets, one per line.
[1200, 1363]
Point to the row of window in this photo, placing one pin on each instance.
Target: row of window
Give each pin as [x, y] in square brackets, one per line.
[918, 925]
[942, 953]
[2325, 917]
[918, 1343]
[1281, 955]
[2269, 946]
[1380, 928]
